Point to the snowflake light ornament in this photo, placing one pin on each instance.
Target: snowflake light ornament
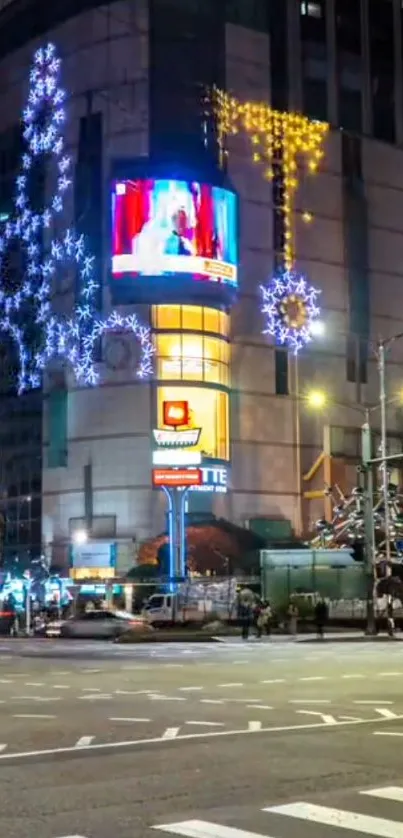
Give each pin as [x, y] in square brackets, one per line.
[26, 312]
[291, 309]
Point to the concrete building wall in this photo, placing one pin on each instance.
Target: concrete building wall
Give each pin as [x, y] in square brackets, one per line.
[105, 52]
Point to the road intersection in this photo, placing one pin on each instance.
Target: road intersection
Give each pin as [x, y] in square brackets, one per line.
[98, 740]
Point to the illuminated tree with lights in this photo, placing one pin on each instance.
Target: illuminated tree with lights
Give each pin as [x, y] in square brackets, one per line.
[36, 249]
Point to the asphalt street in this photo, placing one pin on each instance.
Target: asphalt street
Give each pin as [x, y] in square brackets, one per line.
[231, 740]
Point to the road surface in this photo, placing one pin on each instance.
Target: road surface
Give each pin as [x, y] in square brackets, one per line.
[281, 740]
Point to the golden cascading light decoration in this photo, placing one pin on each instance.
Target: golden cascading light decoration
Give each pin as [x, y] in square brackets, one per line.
[278, 140]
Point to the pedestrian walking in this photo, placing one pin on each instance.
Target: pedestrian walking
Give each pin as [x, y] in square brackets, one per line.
[292, 615]
[257, 618]
[321, 617]
[264, 620]
[246, 615]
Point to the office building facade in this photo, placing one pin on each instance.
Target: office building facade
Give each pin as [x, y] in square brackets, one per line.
[140, 75]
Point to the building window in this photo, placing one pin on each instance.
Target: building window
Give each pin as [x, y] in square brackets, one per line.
[278, 25]
[314, 10]
[382, 63]
[192, 318]
[349, 64]
[281, 372]
[187, 57]
[192, 357]
[314, 60]
[209, 411]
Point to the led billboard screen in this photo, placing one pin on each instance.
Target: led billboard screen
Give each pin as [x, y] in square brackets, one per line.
[163, 228]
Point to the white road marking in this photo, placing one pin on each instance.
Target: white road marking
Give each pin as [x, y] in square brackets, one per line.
[170, 733]
[387, 733]
[235, 684]
[388, 674]
[6, 681]
[255, 725]
[328, 720]
[260, 707]
[387, 714]
[372, 701]
[207, 724]
[212, 701]
[309, 701]
[190, 689]
[91, 689]
[274, 681]
[84, 741]
[60, 686]
[313, 678]
[204, 829]
[95, 697]
[166, 665]
[136, 692]
[34, 684]
[33, 716]
[166, 698]
[3, 748]
[126, 719]
[326, 816]
[130, 743]
[390, 793]
[91, 670]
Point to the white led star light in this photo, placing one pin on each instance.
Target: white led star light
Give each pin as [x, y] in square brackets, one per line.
[291, 309]
[45, 254]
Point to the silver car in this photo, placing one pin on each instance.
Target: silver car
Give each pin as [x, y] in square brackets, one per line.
[101, 624]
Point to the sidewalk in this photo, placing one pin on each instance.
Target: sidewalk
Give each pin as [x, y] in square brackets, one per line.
[331, 637]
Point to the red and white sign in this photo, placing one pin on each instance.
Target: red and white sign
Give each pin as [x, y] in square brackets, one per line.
[175, 414]
[177, 477]
[177, 439]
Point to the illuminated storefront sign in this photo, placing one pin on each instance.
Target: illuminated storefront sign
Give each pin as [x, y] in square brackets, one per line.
[175, 413]
[92, 560]
[177, 439]
[179, 478]
[214, 479]
[176, 457]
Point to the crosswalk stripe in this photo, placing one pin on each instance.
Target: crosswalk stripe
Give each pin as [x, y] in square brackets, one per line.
[390, 793]
[204, 829]
[379, 827]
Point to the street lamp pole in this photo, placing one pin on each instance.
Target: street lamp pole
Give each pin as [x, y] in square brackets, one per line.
[383, 451]
[369, 531]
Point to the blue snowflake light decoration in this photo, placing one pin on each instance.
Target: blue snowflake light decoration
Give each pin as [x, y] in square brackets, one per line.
[26, 312]
[291, 310]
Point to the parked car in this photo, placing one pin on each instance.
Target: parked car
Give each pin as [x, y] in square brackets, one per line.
[102, 624]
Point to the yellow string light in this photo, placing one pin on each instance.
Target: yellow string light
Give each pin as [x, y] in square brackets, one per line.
[278, 139]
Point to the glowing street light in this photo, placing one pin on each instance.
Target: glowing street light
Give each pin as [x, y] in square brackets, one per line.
[316, 399]
[317, 328]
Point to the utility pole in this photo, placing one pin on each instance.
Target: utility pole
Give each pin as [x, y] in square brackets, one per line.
[369, 532]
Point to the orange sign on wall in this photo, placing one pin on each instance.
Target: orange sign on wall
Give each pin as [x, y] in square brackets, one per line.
[176, 414]
[177, 477]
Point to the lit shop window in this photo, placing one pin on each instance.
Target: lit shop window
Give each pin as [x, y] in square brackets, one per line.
[190, 318]
[208, 410]
[192, 357]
